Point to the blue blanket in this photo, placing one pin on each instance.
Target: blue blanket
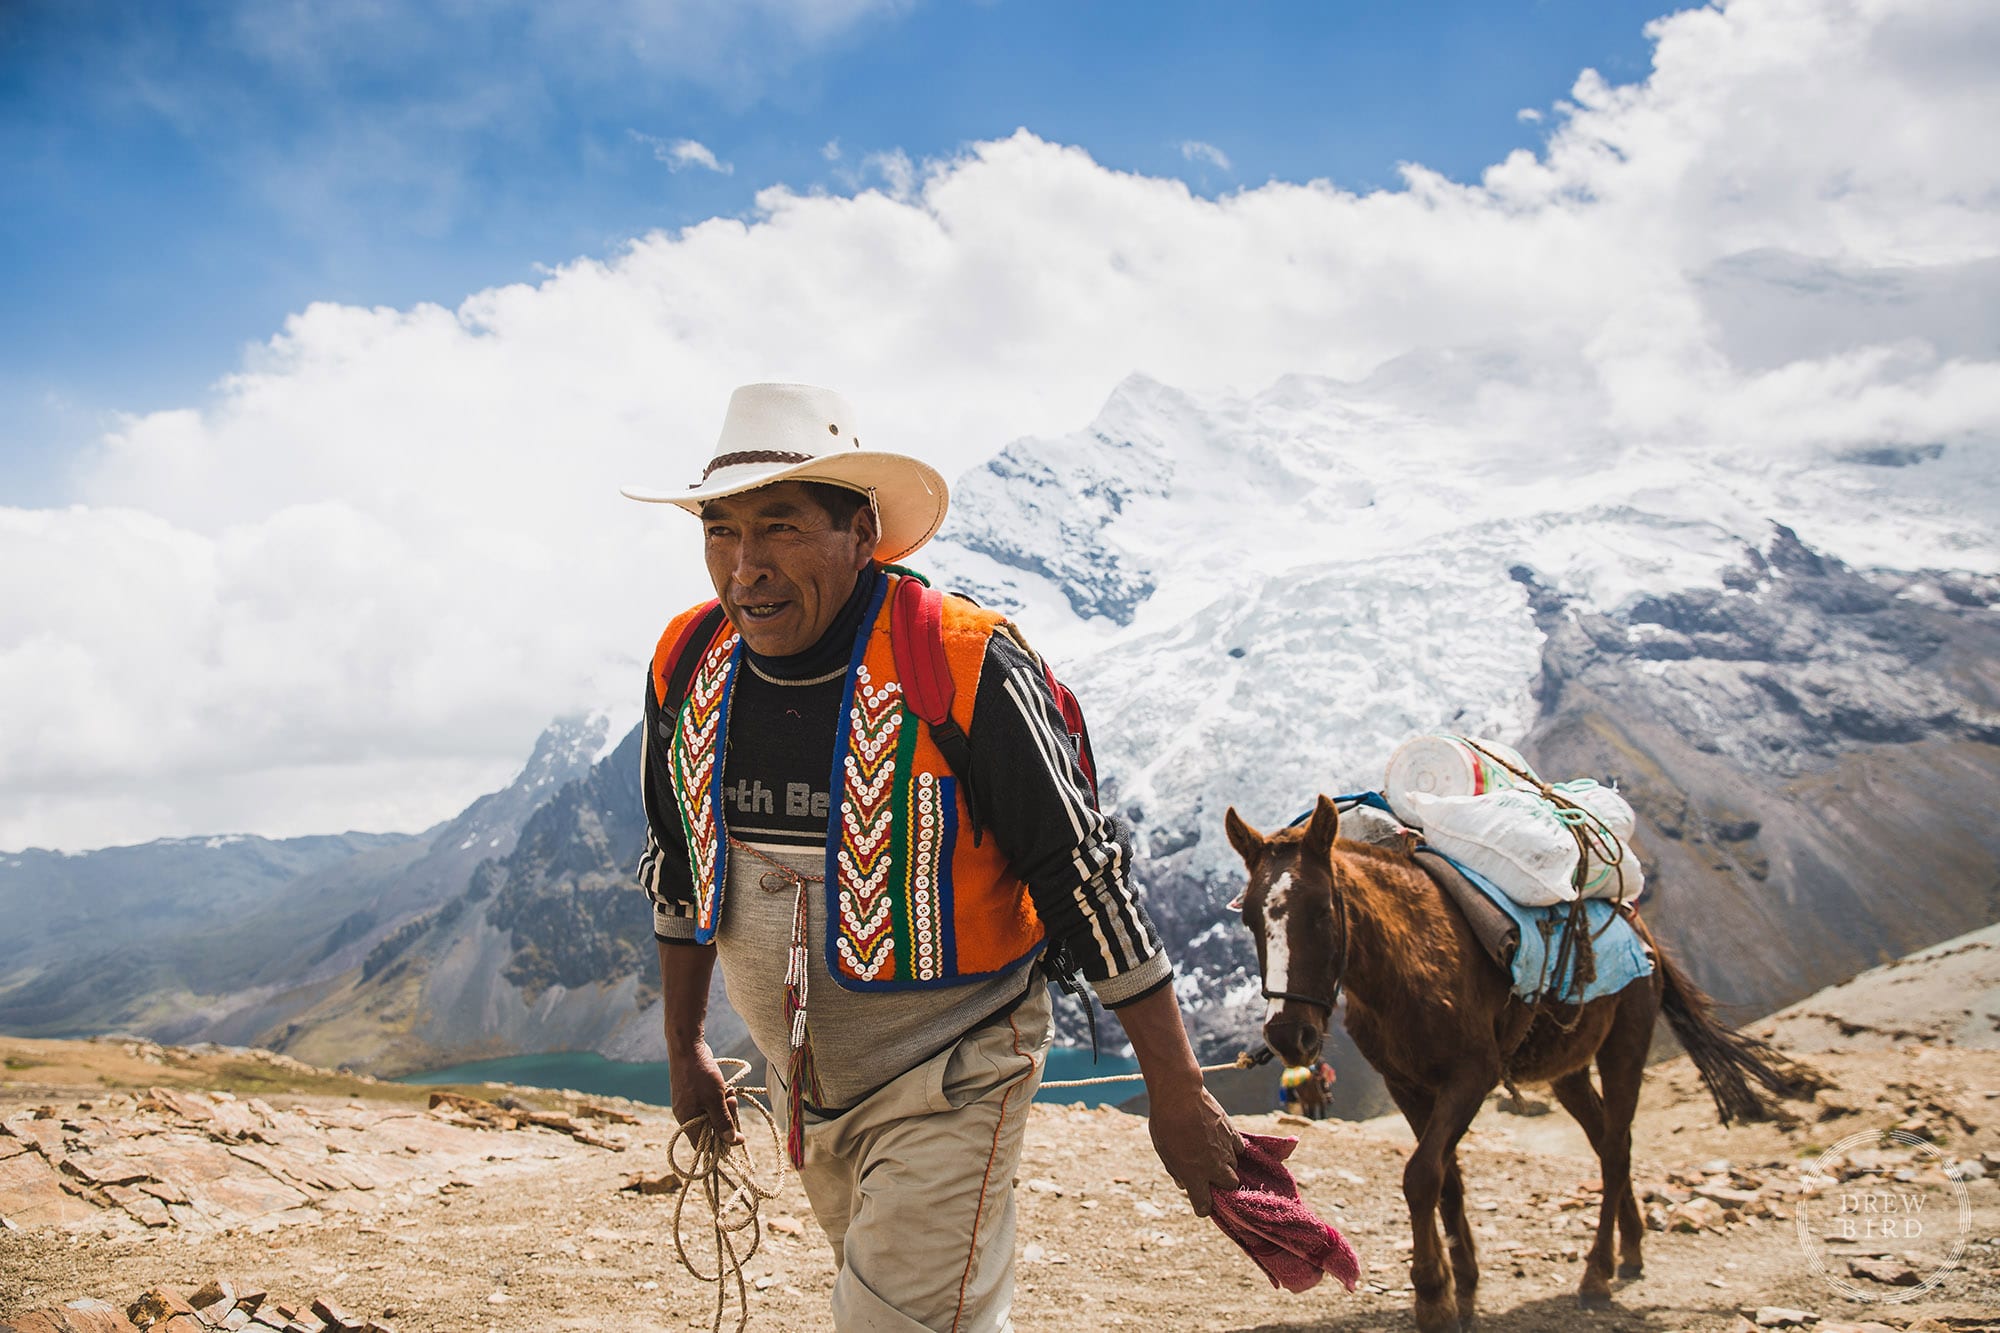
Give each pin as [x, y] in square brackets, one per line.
[1620, 956]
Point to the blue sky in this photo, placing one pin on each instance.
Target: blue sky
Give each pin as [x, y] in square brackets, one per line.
[328, 332]
[178, 178]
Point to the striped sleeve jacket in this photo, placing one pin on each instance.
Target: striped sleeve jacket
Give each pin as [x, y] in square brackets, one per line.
[1028, 793]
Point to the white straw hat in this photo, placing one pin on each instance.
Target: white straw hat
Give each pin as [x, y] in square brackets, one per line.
[795, 432]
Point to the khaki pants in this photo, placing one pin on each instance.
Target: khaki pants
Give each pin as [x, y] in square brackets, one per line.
[915, 1185]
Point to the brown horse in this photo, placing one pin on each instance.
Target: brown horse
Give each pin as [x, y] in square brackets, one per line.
[1438, 1019]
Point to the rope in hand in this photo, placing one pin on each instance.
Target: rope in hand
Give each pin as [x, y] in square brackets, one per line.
[727, 1183]
[730, 1189]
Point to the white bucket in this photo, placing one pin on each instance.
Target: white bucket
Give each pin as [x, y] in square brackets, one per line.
[1440, 764]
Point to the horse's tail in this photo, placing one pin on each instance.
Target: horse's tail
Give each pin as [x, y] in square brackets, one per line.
[1727, 1059]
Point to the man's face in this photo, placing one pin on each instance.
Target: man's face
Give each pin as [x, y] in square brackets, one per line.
[780, 564]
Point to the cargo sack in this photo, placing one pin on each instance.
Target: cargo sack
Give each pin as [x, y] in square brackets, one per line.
[1514, 838]
[1610, 868]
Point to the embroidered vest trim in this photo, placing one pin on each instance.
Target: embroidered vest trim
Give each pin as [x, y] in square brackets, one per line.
[901, 887]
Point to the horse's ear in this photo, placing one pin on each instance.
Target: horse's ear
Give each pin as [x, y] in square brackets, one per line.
[1247, 841]
[1323, 829]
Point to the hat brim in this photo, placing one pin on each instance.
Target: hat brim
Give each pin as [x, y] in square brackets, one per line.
[910, 495]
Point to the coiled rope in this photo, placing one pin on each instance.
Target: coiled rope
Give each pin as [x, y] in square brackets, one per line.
[730, 1188]
[728, 1183]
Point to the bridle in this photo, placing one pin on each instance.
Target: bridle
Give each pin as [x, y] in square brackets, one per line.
[1339, 974]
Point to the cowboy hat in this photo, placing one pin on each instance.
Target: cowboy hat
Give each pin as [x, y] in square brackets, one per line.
[795, 432]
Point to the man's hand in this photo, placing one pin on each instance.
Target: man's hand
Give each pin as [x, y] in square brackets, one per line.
[1193, 1136]
[1197, 1145]
[702, 1094]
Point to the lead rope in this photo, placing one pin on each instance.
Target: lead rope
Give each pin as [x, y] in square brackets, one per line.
[727, 1183]
[728, 1186]
[733, 1170]
[1246, 1060]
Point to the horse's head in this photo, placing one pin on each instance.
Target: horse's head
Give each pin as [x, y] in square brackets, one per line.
[1290, 907]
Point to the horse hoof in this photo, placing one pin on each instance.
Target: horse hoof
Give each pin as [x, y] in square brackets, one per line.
[1631, 1270]
[1434, 1320]
[1594, 1300]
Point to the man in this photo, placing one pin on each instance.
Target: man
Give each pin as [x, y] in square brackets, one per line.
[882, 921]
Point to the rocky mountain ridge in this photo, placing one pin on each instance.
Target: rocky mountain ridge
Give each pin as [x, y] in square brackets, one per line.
[1787, 660]
[216, 952]
[1807, 742]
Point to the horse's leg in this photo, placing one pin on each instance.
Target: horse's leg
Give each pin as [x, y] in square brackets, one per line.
[1413, 1101]
[1458, 1241]
[1452, 1109]
[1575, 1091]
[1415, 1104]
[1621, 1068]
[1580, 1099]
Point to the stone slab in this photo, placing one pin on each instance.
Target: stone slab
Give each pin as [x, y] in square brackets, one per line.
[32, 1194]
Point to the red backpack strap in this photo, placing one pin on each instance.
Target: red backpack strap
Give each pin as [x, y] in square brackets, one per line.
[916, 634]
[1072, 716]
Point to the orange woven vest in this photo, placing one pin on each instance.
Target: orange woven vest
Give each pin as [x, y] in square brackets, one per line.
[912, 900]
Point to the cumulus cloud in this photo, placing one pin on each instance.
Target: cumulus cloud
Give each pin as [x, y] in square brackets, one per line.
[350, 590]
[682, 153]
[1194, 150]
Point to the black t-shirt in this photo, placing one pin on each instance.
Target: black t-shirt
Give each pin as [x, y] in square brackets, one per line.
[778, 776]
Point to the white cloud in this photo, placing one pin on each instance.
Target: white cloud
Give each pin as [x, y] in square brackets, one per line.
[1528, 115]
[351, 590]
[682, 153]
[894, 169]
[1194, 150]
[830, 150]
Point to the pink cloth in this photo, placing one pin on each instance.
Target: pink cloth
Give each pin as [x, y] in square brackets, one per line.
[1265, 1215]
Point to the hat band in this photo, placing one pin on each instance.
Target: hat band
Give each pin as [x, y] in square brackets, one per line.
[754, 456]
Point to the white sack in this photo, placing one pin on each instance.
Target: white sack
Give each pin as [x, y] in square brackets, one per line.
[1601, 878]
[1364, 823]
[1513, 838]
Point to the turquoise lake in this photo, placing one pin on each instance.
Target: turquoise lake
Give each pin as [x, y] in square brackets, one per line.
[589, 1072]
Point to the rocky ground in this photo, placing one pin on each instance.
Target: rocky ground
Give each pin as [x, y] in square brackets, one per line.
[435, 1217]
[126, 1168]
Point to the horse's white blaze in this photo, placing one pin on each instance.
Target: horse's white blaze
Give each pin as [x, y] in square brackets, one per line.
[1277, 952]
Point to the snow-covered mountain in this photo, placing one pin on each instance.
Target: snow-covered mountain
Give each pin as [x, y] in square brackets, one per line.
[1257, 597]
[1787, 656]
